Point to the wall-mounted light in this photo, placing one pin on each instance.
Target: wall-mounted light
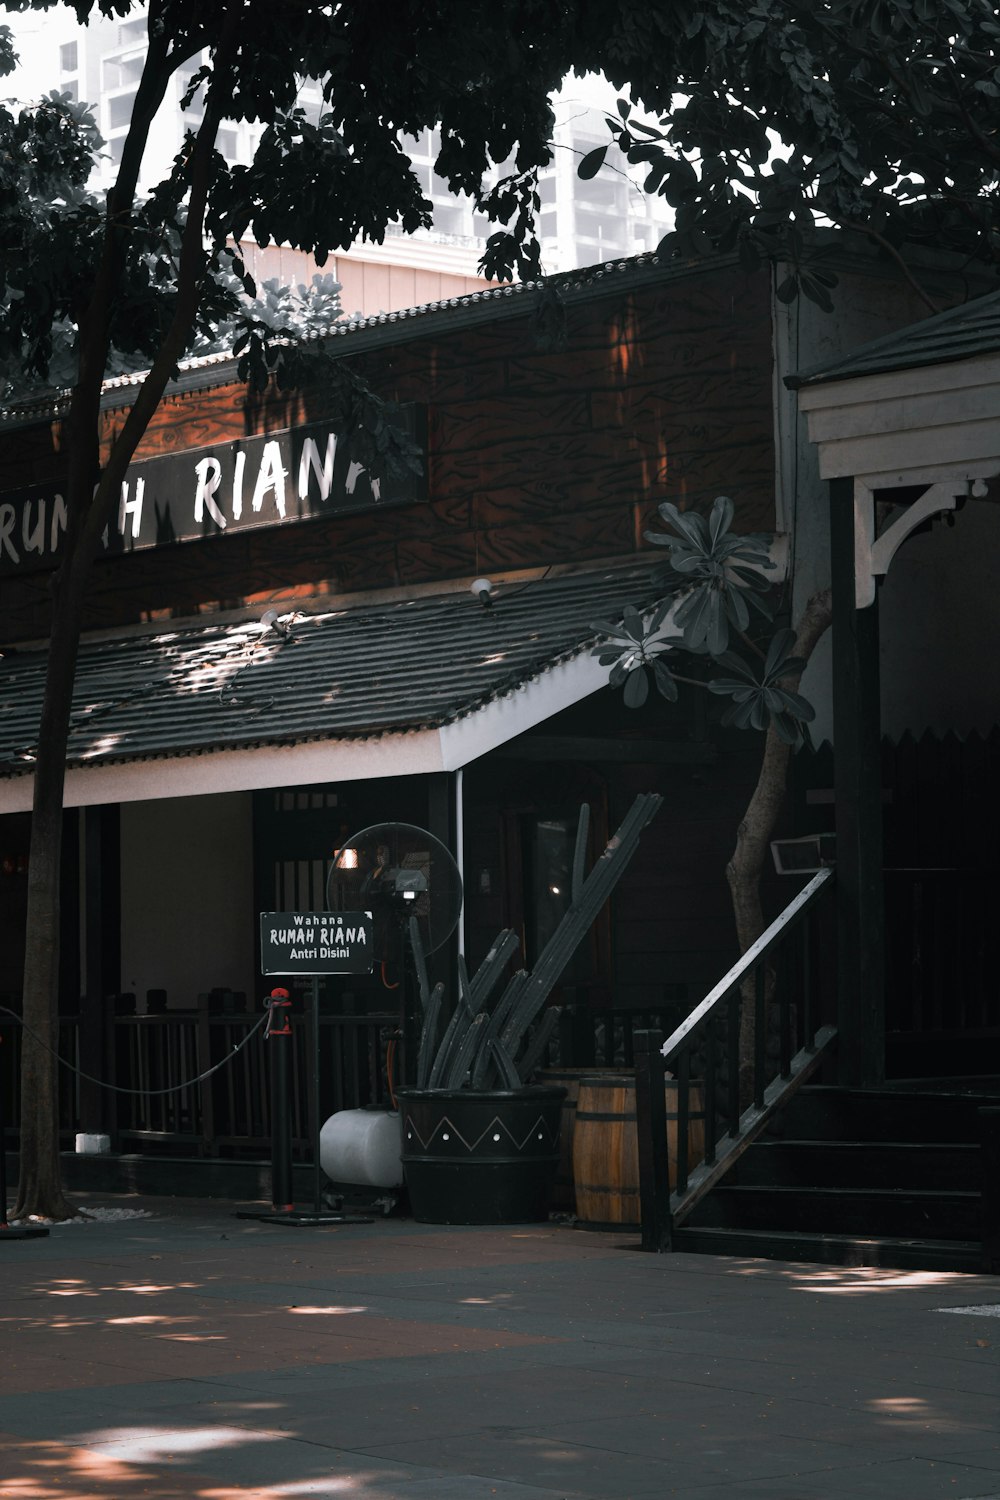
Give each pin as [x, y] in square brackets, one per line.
[270, 620]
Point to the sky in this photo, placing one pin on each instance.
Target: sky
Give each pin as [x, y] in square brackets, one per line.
[36, 36]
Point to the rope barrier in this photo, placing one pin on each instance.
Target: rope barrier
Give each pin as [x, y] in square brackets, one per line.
[116, 1088]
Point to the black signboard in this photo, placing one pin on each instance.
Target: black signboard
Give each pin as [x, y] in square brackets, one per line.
[275, 479]
[316, 942]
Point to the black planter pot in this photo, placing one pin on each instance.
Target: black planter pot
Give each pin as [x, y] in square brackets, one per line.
[480, 1157]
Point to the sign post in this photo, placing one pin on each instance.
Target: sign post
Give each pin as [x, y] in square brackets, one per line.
[313, 943]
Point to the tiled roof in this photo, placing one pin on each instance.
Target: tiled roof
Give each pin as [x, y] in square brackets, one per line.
[355, 672]
[960, 333]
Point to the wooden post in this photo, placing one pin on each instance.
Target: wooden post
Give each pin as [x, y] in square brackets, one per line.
[858, 796]
[102, 960]
[651, 1131]
[989, 1137]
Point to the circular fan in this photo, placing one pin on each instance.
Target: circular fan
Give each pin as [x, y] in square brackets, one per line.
[395, 871]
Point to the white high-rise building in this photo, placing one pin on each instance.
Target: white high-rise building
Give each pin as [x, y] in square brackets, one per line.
[580, 222]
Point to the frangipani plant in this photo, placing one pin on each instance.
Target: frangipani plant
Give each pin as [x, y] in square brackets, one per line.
[714, 586]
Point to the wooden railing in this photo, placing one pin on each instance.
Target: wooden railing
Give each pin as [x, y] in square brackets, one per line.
[604, 1037]
[153, 1060]
[67, 1081]
[229, 1112]
[776, 994]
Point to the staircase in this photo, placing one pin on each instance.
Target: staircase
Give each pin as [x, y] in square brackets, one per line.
[873, 1178]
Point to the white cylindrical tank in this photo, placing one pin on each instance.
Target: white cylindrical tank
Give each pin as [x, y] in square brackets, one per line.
[362, 1146]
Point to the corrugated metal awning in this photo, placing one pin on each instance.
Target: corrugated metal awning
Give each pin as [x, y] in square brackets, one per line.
[396, 687]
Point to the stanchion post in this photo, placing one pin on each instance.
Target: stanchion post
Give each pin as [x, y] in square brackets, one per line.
[315, 1121]
[279, 1031]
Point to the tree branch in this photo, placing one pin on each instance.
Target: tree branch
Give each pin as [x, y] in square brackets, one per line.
[190, 272]
[891, 251]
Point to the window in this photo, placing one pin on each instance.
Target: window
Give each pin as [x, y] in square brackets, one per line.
[228, 144]
[450, 218]
[69, 59]
[120, 110]
[540, 828]
[119, 72]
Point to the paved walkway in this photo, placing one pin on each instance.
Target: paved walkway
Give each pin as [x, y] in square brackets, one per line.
[199, 1356]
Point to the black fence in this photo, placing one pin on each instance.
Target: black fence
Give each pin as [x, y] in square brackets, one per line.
[161, 1102]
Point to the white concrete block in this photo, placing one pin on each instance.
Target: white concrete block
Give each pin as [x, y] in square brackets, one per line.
[93, 1145]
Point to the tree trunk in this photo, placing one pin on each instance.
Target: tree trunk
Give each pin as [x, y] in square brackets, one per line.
[39, 1185]
[753, 838]
[89, 511]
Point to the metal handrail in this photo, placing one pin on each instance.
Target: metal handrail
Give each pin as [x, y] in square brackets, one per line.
[748, 961]
[663, 1205]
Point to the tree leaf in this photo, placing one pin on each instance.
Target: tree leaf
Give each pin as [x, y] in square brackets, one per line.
[592, 163]
[636, 688]
[721, 518]
[664, 680]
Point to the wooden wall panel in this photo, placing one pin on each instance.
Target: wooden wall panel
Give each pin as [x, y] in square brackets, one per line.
[535, 456]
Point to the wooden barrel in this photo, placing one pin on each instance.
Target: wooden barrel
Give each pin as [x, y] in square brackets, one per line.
[563, 1192]
[606, 1152]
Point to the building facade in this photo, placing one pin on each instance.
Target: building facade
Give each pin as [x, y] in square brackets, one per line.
[281, 652]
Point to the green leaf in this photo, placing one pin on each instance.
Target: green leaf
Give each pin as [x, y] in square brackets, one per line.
[664, 679]
[779, 652]
[592, 163]
[737, 609]
[721, 518]
[718, 626]
[636, 688]
[632, 624]
[687, 524]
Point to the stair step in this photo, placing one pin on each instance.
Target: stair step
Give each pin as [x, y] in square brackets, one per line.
[824, 1112]
[894, 1212]
[891, 1252]
[938, 1165]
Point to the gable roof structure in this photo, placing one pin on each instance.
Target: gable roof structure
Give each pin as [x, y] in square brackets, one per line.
[959, 333]
[916, 408]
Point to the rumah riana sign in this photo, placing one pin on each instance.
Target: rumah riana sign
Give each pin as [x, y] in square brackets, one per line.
[316, 942]
[277, 478]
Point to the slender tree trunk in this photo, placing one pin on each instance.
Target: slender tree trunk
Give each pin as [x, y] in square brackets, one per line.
[40, 1188]
[753, 838]
[89, 511]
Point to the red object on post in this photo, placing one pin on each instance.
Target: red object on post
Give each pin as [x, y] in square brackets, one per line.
[276, 999]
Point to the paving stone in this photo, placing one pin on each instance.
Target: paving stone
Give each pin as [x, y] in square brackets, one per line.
[194, 1355]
